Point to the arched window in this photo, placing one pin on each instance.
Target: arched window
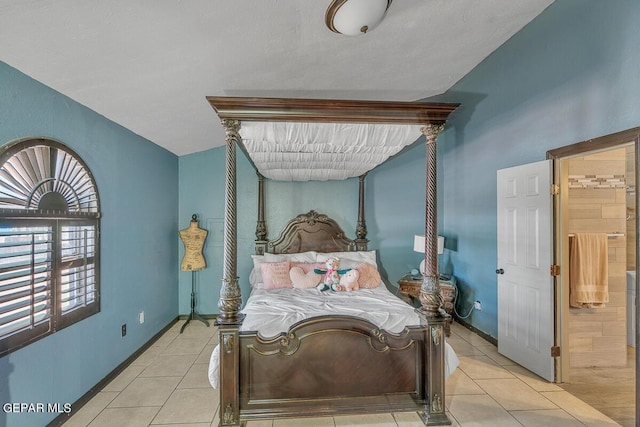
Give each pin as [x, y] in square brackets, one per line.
[49, 241]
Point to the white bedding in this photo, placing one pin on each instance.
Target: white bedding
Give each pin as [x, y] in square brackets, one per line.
[271, 312]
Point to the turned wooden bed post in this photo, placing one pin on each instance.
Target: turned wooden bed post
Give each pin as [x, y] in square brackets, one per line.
[361, 227]
[261, 225]
[229, 319]
[430, 297]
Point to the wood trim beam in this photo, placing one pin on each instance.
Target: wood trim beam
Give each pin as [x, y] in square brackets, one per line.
[330, 110]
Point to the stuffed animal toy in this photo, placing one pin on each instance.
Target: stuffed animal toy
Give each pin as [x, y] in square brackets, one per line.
[349, 281]
[332, 274]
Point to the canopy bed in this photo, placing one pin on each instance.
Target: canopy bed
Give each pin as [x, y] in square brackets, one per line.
[340, 362]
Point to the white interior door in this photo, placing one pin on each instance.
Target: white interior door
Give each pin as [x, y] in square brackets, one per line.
[525, 284]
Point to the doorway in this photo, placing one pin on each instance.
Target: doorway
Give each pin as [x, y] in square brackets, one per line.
[597, 181]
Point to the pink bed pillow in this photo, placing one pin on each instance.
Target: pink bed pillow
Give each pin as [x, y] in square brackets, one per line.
[368, 277]
[302, 279]
[308, 266]
[275, 275]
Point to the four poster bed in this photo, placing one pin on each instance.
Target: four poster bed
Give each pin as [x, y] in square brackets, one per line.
[369, 352]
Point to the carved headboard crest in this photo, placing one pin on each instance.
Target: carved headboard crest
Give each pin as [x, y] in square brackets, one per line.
[312, 231]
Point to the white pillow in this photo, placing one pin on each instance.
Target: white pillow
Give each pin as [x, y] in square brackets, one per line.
[349, 259]
[256, 275]
[309, 256]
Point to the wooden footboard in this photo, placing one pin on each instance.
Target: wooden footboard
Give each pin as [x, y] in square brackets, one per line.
[330, 365]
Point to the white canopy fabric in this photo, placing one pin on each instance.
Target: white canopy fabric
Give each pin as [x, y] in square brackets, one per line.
[302, 151]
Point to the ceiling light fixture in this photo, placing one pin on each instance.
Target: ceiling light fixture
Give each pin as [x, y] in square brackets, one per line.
[353, 17]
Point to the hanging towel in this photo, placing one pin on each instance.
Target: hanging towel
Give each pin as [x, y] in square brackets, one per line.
[588, 270]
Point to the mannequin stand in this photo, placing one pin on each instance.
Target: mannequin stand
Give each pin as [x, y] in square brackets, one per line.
[193, 315]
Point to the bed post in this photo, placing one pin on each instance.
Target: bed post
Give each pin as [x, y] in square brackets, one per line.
[261, 225]
[361, 227]
[229, 320]
[430, 297]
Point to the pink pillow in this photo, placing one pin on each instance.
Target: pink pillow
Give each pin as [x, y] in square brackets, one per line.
[301, 280]
[369, 277]
[275, 275]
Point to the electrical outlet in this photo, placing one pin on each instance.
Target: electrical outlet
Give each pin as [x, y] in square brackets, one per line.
[141, 317]
[124, 329]
[477, 305]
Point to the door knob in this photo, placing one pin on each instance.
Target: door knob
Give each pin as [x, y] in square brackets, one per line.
[499, 271]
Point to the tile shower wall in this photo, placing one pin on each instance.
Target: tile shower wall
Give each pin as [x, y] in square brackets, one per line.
[597, 203]
[631, 207]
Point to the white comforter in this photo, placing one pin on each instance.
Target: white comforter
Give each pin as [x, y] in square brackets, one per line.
[271, 312]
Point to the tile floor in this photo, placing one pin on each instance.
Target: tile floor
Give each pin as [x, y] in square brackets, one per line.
[167, 385]
[610, 390]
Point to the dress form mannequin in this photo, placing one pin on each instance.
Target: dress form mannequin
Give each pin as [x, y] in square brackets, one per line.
[193, 238]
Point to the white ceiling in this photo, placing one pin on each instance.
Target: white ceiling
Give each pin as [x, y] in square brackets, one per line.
[148, 64]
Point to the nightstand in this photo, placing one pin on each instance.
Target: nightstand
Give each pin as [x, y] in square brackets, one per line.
[410, 292]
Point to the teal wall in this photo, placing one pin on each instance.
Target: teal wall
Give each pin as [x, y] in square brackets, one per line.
[570, 75]
[138, 186]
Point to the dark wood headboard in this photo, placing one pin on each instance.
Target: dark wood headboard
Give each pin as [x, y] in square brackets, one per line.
[312, 231]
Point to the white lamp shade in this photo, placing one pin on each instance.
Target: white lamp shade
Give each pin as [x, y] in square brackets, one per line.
[419, 242]
[353, 17]
[418, 246]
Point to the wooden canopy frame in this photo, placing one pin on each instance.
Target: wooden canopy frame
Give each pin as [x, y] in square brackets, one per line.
[232, 111]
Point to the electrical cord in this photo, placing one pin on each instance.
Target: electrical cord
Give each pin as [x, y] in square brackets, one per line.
[455, 310]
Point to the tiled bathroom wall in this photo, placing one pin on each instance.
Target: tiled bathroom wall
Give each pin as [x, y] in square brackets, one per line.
[597, 204]
[631, 207]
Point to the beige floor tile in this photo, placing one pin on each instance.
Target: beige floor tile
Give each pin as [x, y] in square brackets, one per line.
[462, 347]
[91, 409]
[216, 417]
[492, 352]
[408, 419]
[306, 422]
[461, 332]
[196, 377]
[169, 365]
[125, 417]
[478, 341]
[515, 395]
[166, 339]
[186, 425]
[546, 418]
[152, 391]
[175, 329]
[188, 406]
[458, 329]
[459, 383]
[125, 377]
[148, 357]
[215, 339]
[197, 328]
[379, 420]
[533, 380]
[625, 416]
[205, 354]
[454, 422]
[578, 409]
[480, 410]
[173, 373]
[186, 345]
[482, 367]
